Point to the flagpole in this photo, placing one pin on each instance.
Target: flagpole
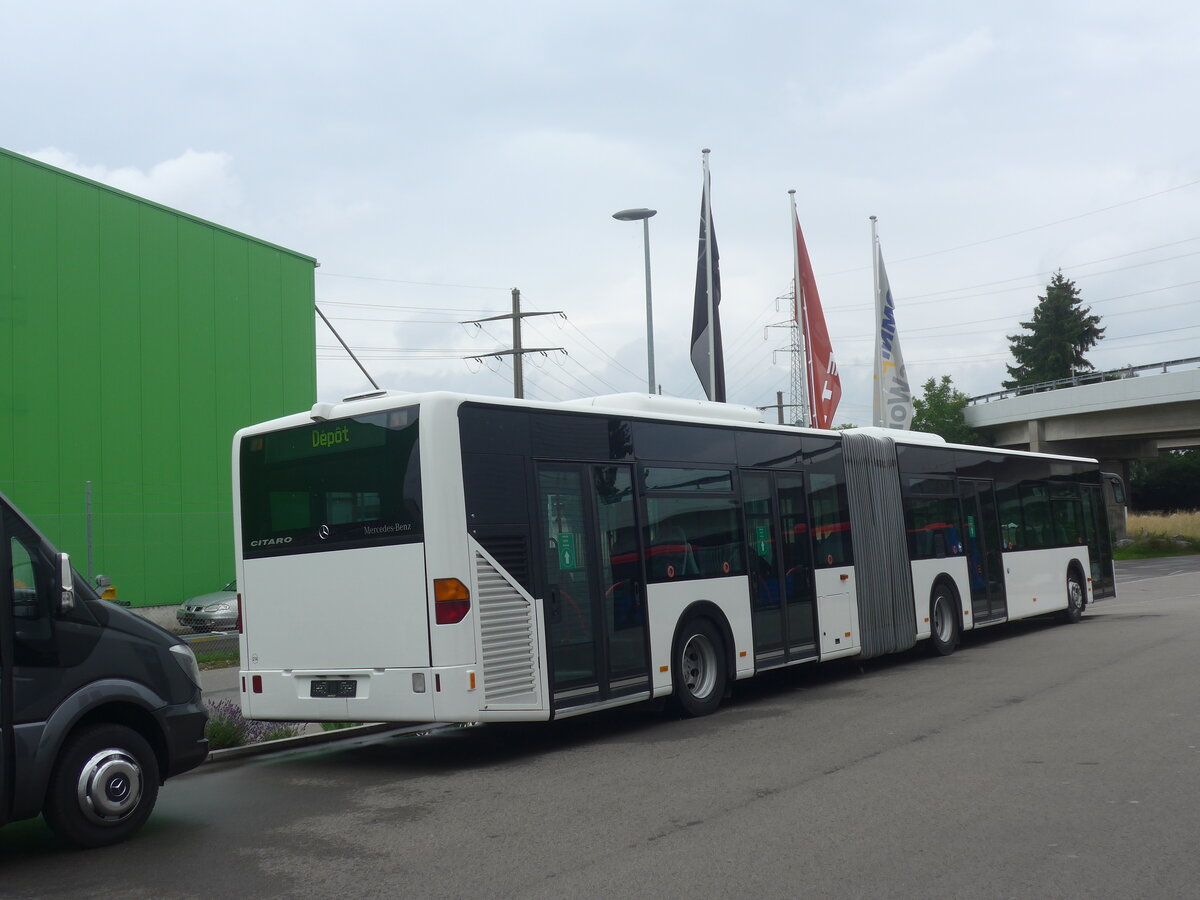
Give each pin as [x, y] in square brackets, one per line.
[877, 402]
[712, 316]
[801, 317]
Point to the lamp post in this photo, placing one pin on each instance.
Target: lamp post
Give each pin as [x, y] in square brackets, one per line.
[634, 215]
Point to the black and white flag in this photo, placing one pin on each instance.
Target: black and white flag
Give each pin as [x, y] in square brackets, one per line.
[707, 358]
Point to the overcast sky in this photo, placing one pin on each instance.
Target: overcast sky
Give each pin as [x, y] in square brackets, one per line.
[432, 156]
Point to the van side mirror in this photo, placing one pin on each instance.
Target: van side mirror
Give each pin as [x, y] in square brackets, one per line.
[66, 583]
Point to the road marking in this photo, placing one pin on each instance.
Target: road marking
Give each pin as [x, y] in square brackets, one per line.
[1152, 578]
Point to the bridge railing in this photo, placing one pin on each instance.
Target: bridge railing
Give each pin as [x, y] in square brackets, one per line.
[1083, 378]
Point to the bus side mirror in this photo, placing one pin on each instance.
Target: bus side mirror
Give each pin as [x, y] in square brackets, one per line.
[66, 597]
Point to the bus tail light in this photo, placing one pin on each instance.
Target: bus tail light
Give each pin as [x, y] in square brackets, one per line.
[451, 600]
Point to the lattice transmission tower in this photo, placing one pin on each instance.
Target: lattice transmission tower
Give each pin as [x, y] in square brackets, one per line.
[797, 387]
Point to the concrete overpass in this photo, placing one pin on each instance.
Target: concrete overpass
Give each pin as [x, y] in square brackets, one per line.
[1133, 415]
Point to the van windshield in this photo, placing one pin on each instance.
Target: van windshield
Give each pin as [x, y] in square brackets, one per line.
[332, 485]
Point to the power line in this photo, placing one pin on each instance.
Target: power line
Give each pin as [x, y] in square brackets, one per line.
[1033, 228]
[446, 309]
[392, 356]
[445, 322]
[569, 358]
[1145, 309]
[1068, 267]
[518, 350]
[1024, 287]
[598, 348]
[469, 287]
[1107, 345]
[401, 349]
[556, 379]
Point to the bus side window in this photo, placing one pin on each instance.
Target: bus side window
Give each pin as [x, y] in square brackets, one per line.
[670, 554]
[692, 536]
[1068, 517]
[1008, 503]
[1035, 510]
[831, 521]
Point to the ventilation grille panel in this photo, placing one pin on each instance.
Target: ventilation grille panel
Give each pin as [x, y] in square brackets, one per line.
[507, 627]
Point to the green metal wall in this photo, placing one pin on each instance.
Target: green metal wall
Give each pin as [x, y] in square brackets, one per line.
[134, 341]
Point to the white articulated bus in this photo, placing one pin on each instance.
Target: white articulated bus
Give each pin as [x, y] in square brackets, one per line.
[441, 557]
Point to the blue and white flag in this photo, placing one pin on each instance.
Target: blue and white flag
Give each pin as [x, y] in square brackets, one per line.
[893, 398]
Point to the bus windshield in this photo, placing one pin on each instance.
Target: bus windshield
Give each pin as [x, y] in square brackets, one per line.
[332, 485]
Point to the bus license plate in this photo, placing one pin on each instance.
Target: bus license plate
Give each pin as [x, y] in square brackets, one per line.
[329, 687]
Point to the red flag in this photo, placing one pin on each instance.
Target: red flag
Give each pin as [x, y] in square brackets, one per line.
[824, 384]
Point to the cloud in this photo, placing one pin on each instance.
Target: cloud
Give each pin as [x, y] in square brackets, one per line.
[200, 183]
[929, 76]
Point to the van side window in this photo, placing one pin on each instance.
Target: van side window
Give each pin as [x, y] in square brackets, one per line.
[32, 586]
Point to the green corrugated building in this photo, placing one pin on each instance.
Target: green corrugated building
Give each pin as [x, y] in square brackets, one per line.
[134, 341]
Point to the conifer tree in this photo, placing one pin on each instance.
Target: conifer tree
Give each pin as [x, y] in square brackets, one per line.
[1061, 331]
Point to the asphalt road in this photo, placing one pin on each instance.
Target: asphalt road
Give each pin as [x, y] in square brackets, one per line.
[1041, 760]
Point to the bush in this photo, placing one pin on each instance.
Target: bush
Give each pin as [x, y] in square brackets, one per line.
[227, 727]
[1161, 534]
[1169, 482]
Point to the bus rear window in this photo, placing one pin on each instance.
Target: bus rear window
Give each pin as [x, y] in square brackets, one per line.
[332, 485]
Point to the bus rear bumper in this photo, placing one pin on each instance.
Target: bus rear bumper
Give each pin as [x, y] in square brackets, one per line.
[402, 695]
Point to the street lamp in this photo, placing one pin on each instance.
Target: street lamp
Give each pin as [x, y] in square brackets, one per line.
[634, 215]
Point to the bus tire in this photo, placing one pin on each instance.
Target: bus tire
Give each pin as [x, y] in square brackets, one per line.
[103, 787]
[944, 614]
[1076, 597]
[698, 668]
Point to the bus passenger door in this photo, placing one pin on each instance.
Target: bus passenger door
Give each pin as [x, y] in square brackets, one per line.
[985, 564]
[780, 567]
[1099, 542]
[595, 592]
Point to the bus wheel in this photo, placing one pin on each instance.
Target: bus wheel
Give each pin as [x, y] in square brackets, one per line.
[943, 621]
[103, 787]
[699, 668]
[1075, 597]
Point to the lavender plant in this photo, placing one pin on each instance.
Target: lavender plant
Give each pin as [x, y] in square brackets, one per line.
[227, 727]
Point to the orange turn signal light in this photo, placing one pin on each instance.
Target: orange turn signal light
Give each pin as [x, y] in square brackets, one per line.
[451, 600]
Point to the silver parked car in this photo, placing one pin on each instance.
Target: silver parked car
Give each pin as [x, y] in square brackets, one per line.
[210, 612]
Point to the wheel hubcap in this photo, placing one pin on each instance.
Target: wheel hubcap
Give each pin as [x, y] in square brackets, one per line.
[699, 666]
[110, 786]
[941, 618]
[1075, 593]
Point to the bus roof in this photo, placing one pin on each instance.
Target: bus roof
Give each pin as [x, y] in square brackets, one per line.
[641, 406]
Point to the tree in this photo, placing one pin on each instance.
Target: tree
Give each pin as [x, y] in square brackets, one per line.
[940, 411]
[1061, 331]
[1166, 483]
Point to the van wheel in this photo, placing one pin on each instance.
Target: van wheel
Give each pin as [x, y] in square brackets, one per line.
[943, 621]
[698, 668]
[103, 787]
[1075, 598]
